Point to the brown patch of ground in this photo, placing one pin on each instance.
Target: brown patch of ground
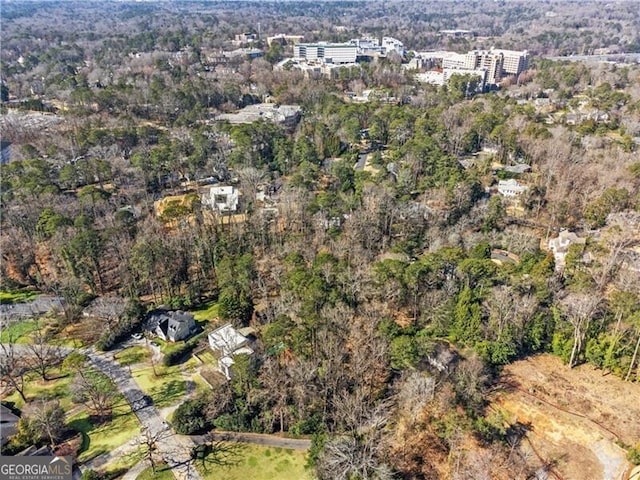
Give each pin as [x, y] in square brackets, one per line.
[577, 417]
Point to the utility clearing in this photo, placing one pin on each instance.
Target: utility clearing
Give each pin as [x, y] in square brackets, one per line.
[577, 419]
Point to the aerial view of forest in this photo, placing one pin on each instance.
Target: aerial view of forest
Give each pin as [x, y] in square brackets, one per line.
[332, 240]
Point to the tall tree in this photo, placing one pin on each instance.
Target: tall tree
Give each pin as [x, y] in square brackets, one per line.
[13, 368]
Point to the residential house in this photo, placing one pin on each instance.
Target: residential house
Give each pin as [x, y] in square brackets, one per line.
[223, 198]
[227, 342]
[171, 325]
[511, 188]
[518, 168]
[560, 246]
[287, 115]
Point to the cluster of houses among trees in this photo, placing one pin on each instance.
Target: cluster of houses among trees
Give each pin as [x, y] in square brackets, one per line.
[380, 228]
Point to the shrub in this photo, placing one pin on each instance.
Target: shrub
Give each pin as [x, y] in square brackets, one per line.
[91, 475]
[189, 418]
[174, 356]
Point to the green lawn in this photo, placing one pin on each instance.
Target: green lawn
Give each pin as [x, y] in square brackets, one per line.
[122, 464]
[262, 463]
[133, 355]
[168, 388]
[163, 472]
[37, 389]
[103, 438]
[207, 357]
[15, 297]
[205, 312]
[18, 332]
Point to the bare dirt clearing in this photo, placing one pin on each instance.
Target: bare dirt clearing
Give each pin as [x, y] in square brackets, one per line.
[575, 417]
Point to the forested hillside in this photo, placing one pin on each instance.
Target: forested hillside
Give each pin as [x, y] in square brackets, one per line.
[386, 277]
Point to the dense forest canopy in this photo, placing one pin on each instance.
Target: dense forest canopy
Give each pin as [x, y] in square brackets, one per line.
[387, 278]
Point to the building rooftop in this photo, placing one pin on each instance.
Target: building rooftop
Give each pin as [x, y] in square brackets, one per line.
[228, 340]
[265, 111]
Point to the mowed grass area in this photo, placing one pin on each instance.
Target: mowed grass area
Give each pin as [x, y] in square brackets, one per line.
[133, 355]
[37, 389]
[106, 437]
[205, 312]
[262, 463]
[166, 389]
[18, 332]
[207, 357]
[163, 472]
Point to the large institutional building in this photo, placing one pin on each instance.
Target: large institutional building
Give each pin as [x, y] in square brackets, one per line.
[496, 64]
[341, 53]
[326, 52]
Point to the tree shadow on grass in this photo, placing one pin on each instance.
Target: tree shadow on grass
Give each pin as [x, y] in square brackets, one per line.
[83, 426]
[168, 393]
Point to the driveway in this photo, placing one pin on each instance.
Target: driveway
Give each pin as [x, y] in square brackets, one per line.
[256, 439]
[174, 449]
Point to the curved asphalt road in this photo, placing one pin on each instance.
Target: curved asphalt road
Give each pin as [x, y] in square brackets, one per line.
[174, 449]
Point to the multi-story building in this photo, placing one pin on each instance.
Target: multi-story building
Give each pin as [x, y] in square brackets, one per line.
[326, 52]
[366, 46]
[457, 33]
[488, 60]
[457, 60]
[283, 39]
[497, 63]
[514, 62]
[390, 44]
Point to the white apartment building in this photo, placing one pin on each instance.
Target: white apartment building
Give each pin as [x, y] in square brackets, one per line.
[490, 61]
[497, 63]
[326, 52]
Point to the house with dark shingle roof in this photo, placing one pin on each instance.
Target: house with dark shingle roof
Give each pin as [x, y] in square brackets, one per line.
[171, 325]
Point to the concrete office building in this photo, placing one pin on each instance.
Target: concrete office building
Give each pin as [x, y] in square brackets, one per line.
[326, 52]
[457, 60]
[366, 46]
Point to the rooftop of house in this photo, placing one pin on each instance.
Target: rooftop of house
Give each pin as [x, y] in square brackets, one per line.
[564, 239]
[156, 317]
[266, 111]
[227, 339]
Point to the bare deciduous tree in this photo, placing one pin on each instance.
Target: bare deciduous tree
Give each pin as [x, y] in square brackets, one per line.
[13, 369]
[42, 355]
[580, 310]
